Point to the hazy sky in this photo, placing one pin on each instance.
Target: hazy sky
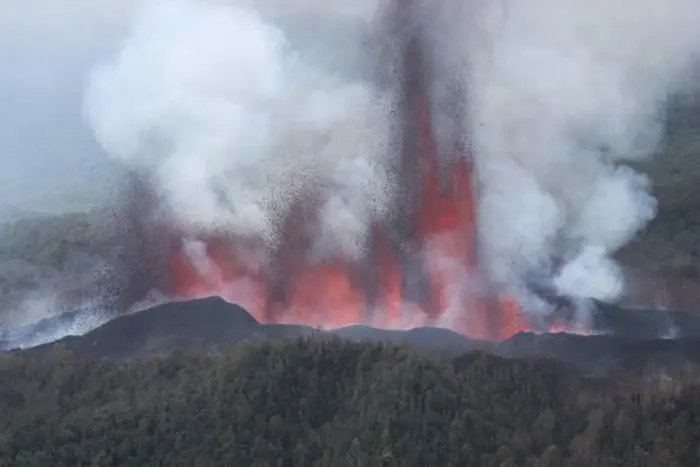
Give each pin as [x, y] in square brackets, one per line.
[48, 158]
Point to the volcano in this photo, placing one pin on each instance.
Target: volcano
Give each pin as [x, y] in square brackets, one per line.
[624, 338]
[420, 265]
[420, 268]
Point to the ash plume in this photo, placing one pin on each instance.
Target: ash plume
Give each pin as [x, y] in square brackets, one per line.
[563, 98]
[235, 108]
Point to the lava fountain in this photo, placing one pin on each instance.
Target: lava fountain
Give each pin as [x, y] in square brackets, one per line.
[424, 271]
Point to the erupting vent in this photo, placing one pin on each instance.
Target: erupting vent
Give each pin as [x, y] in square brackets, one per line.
[425, 272]
[317, 162]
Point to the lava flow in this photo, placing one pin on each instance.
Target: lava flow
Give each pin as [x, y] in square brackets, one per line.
[446, 287]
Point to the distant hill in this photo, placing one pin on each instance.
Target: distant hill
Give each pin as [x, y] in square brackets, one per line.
[56, 263]
[633, 339]
[663, 261]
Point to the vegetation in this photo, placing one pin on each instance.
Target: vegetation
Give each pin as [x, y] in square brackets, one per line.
[329, 402]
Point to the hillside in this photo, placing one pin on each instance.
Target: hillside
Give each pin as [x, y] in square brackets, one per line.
[663, 260]
[625, 339]
[324, 401]
[103, 259]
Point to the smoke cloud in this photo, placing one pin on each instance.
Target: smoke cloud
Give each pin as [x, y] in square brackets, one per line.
[562, 97]
[235, 111]
[235, 108]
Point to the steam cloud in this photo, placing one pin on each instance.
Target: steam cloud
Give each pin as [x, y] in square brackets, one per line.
[562, 96]
[234, 107]
[234, 116]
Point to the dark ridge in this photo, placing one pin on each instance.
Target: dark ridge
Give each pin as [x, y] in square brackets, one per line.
[47, 329]
[433, 340]
[360, 333]
[620, 320]
[203, 323]
[602, 354]
[212, 323]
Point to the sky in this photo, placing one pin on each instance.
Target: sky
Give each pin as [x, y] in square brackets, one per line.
[49, 160]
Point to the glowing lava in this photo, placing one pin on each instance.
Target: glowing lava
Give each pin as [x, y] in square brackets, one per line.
[285, 286]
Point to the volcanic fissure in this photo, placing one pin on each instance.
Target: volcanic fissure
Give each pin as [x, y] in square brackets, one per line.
[422, 269]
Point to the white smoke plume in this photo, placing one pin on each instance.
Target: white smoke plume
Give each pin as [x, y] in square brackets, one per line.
[234, 107]
[562, 94]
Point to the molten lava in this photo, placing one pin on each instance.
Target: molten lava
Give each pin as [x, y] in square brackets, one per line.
[219, 269]
[286, 286]
[337, 292]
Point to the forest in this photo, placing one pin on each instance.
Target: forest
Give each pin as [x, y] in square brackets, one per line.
[324, 401]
